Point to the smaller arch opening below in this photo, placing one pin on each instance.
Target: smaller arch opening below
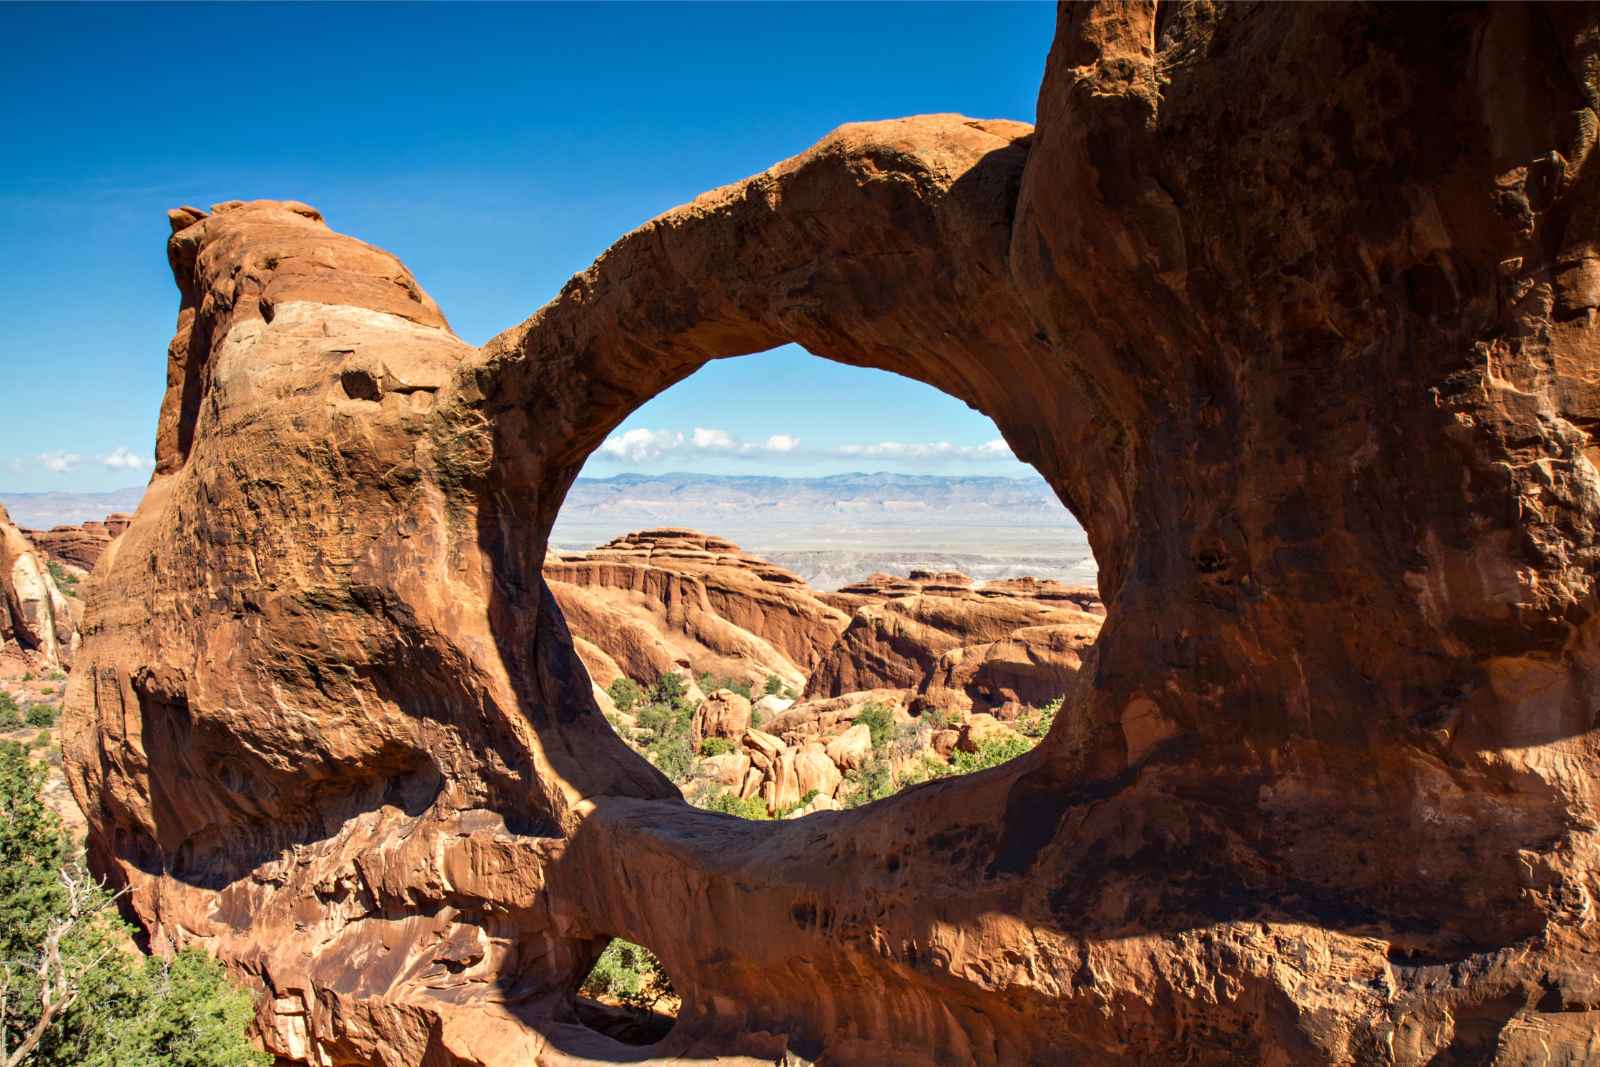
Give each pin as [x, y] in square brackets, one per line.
[788, 618]
[628, 995]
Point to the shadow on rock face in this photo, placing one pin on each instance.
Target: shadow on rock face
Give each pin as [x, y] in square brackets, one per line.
[1315, 376]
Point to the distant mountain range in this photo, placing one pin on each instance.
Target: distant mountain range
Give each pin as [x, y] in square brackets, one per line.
[880, 496]
[837, 529]
[831, 530]
[40, 511]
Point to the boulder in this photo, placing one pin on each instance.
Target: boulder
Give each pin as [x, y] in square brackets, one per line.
[852, 749]
[728, 769]
[723, 713]
[944, 742]
[772, 704]
[815, 770]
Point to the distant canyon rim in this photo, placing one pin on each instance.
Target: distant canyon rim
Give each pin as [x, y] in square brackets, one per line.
[1293, 306]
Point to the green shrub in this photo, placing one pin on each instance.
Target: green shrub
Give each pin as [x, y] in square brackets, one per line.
[989, 754]
[64, 581]
[757, 717]
[58, 676]
[10, 714]
[624, 693]
[729, 804]
[710, 684]
[1038, 722]
[715, 746]
[879, 720]
[28, 677]
[669, 688]
[674, 757]
[181, 1012]
[629, 973]
[873, 781]
[789, 809]
[42, 715]
[774, 685]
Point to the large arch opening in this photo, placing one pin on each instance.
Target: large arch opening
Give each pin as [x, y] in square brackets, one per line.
[809, 606]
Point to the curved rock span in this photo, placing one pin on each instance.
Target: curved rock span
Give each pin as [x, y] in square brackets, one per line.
[1293, 305]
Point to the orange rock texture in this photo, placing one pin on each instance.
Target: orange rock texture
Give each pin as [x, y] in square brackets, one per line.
[38, 623]
[1002, 646]
[79, 545]
[662, 600]
[1294, 305]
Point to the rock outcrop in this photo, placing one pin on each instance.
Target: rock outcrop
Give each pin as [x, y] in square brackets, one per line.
[37, 621]
[998, 647]
[79, 545]
[670, 599]
[1294, 305]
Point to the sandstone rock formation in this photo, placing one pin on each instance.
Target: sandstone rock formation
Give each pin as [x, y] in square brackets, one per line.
[1001, 647]
[37, 622]
[669, 599]
[1294, 305]
[723, 713]
[79, 545]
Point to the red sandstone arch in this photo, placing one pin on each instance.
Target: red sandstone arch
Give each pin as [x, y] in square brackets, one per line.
[1293, 307]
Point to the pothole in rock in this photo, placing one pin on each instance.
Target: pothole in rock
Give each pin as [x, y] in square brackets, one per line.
[628, 995]
[796, 644]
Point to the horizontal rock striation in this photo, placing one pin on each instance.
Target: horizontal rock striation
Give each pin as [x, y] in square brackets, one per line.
[79, 545]
[1293, 305]
[1001, 646]
[663, 600]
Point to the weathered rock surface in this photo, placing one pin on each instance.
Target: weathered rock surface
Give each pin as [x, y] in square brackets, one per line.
[80, 545]
[1293, 304]
[670, 599]
[722, 713]
[1000, 647]
[38, 622]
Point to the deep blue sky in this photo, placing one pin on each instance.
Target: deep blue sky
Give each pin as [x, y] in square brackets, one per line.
[496, 149]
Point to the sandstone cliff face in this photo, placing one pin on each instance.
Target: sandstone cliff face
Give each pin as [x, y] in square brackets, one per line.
[661, 600]
[1002, 646]
[37, 622]
[80, 545]
[1294, 305]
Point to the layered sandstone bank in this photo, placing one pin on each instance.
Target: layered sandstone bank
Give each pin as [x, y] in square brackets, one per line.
[669, 599]
[79, 545]
[999, 647]
[1294, 305]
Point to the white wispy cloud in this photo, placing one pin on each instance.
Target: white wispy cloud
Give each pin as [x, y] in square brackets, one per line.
[57, 462]
[123, 458]
[929, 451]
[642, 446]
[646, 446]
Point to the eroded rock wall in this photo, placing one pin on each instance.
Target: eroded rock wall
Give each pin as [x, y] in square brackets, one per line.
[661, 600]
[1291, 304]
[38, 622]
[79, 545]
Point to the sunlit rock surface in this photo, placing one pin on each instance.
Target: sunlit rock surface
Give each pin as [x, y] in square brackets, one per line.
[1293, 305]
